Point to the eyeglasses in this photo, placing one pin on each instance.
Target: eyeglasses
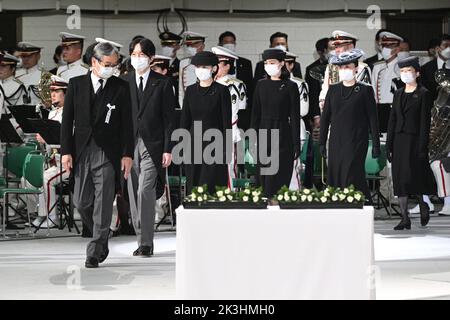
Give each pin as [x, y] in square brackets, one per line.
[108, 65]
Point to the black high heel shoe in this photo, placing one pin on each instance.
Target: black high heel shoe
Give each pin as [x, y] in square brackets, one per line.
[424, 214]
[404, 224]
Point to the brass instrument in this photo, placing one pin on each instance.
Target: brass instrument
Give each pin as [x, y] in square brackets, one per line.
[44, 89]
[439, 144]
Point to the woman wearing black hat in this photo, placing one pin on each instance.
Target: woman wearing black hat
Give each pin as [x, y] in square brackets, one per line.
[351, 111]
[209, 104]
[276, 106]
[407, 142]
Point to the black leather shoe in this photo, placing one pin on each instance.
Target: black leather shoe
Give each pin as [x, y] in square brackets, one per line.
[144, 251]
[404, 224]
[104, 255]
[91, 262]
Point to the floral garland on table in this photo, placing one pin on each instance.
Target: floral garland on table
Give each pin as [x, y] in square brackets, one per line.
[223, 194]
[328, 195]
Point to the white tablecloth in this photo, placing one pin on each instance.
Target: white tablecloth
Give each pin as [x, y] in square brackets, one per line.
[275, 254]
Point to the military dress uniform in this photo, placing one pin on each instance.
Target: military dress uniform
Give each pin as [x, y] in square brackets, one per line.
[363, 73]
[386, 80]
[187, 70]
[76, 68]
[168, 40]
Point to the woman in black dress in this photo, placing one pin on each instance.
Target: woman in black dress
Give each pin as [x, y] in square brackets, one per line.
[209, 103]
[407, 142]
[351, 111]
[276, 105]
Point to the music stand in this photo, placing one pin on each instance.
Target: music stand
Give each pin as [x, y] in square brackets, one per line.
[50, 131]
[22, 114]
[8, 136]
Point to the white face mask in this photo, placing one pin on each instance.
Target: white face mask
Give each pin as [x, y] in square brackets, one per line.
[203, 74]
[402, 55]
[189, 51]
[386, 53]
[407, 77]
[446, 53]
[139, 63]
[281, 47]
[167, 51]
[346, 74]
[106, 72]
[230, 46]
[272, 69]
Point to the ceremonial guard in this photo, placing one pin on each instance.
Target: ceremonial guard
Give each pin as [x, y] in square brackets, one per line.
[193, 43]
[407, 142]
[304, 109]
[350, 111]
[342, 42]
[12, 90]
[386, 77]
[170, 44]
[227, 59]
[72, 54]
[30, 74]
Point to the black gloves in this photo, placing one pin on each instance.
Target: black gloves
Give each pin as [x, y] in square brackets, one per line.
[323, 151]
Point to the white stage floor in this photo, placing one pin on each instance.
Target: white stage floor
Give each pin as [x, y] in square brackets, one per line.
[410, 265]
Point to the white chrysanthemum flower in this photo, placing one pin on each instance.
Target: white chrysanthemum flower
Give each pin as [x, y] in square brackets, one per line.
[326, 194]
[219, 193]
[323, 199]
[222, 199]
[230, 197]
[255, 199]
[334, 198]
[342, 197]
[306, 191]
[280, 197]
[255, 193]
[286, 197]
[227, 191]
[200, 189]
[350, 199]
[310, 198]
[346, 191]
[245, 198]
[247, 191]
[199, 199]
[294, 198]
[358, 197]
[303, 198]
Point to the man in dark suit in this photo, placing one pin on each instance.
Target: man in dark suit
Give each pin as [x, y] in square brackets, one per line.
[377, 56]
[244, 72]
[97, 144]
[278, 40]
[153, 108]
[442, 61]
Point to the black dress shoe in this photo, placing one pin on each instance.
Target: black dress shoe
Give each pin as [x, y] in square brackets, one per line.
[404, 224]
[424, 214]
[104, 255]
[144, 251]
[91, 262]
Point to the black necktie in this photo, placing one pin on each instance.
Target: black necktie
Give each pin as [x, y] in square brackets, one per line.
[100, 89]
[141, 85]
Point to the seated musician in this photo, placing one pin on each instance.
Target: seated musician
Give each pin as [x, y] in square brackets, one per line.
[52, 175]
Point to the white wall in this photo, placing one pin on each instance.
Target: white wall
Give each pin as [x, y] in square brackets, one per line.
[252, 32]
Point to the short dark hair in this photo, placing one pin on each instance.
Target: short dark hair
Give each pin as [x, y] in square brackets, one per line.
[435, 42]
[226, 34]
[130, 49]
[445, 37]
[147, 46]
[322, 44]
[278, 35]
[58, 52]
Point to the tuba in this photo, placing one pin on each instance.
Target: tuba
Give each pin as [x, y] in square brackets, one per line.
[439, 143]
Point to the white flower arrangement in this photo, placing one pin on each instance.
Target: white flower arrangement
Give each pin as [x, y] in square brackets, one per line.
[223, 194]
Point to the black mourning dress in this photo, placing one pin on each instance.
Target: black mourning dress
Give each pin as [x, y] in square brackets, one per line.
[212, 106]
[349, 114]
[276, 105]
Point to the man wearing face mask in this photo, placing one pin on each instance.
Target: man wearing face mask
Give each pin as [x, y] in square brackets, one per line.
[97, 144]
[350, 109]
[72, 55]
[153, 111]
[193, 43]
[386, 77]
[442, 61]
[170, 44]
[342, 42]
[377, 56]
[278, 40]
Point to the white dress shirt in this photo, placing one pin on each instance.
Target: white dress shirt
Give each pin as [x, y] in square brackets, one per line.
[96, 82]
[440, 63]
[144, 78]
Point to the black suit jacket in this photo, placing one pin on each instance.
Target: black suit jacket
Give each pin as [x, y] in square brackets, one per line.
[427, 73]
[154, 117]
[414, 118]
[244, 72]
[371, 61]
[314, 86]
[114, 138]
